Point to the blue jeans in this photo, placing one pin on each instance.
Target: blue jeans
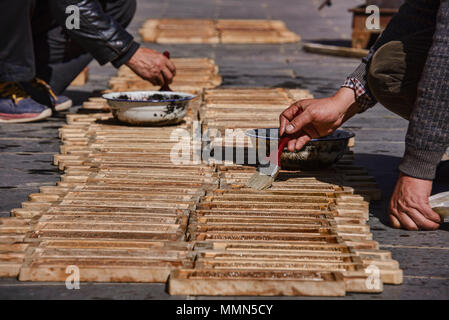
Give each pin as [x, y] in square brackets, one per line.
[33, 44]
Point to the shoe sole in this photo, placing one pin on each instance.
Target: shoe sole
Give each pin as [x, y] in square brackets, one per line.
[25, 117]
[63, 106]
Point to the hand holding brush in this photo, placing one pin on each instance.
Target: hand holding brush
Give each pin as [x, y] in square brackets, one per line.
[265, 176]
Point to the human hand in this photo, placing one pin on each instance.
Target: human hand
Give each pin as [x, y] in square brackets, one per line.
[152, 66]
[320, 117]
[409, 205]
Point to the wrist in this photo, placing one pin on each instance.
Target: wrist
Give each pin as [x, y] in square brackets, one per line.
[126, 56]
[131, 60]
[345, 101]
[344, 98]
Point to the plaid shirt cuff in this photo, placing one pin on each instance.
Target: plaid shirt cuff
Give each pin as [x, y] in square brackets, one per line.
[362, 96]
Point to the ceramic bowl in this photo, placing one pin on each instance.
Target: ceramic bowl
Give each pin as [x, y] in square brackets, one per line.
[153, 108]
[316, 154]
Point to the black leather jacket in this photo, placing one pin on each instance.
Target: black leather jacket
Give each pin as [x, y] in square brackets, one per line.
[99, 34]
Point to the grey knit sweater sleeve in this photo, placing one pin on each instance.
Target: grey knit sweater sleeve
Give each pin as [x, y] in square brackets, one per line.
[413, 16]
[428, 132]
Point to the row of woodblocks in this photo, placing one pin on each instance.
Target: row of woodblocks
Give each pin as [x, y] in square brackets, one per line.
[307, 235]
[216, 31]
[121, 210]
[192, 76]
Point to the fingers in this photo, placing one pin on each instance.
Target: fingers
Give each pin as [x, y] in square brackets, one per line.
[421, 222]
[405, 221]
[407, 217]
[298, 143]
[431, 215]
[291, 145]
[298, 123]
[286, 116]
[301, 141]
[157, 80]
[394, 221]
[171, 66]
[168, 76]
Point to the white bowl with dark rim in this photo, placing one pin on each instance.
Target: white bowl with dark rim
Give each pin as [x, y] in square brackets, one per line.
[154, 108]
[316, 154]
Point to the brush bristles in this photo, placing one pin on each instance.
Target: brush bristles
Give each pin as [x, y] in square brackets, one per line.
[260, 181]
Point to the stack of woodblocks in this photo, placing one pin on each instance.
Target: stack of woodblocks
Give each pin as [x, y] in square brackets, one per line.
[125, 212]
[192, 75]
[242, 109]
[175, 31]
[307, 235]
[247, 108]
[120, 212]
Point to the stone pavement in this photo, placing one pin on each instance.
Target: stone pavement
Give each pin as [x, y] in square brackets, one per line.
[26, 150]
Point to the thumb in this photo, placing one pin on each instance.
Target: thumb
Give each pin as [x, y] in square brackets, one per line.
[298, 123]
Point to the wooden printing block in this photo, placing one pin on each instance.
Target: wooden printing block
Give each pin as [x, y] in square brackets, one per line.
[53, 190]
[266, 198]
[127, 204]
[362, 244]
[241, 24]
[86, 195]
[259, 206]
[313, 257]
[296, 256]
[389, 269]
[11, 258]
[105, 219]
[159, 246]
[105, 189]
[266, 236]
[335, 50]
[341, 224]
[354, 274]
[81, 78]
[109, 210]
[255, 282]
[323, 192]
[262, 219]
[28, 213]
[149, 31]
[308, 228]
[255, 214]
[148, 34]
[197, 23]
[127, 265]
[96, 105]
[248, 36]
[44, 197]
[273, 246]
[81, 233]
[299, 94]
[245, 91]
[185, 36]
[228, 100]
[13, 230]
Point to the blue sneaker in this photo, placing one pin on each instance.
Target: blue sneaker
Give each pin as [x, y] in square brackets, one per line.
[16, 106]
[63, 103]
[41, 91]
